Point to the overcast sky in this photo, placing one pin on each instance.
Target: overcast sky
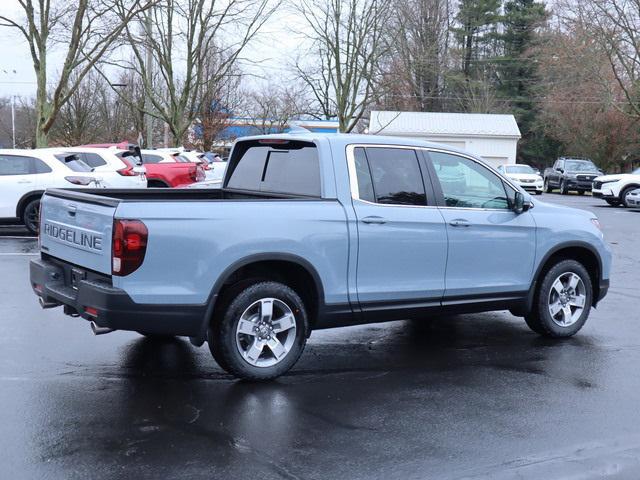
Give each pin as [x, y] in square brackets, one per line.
[271, 52]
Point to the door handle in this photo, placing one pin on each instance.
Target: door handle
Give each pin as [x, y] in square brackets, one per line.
[374, 220]
[459, 222]
[24, 181]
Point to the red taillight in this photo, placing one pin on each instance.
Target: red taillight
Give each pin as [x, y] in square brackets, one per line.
[200, 175]
[91, 311]
[126, 172]
[129, 246]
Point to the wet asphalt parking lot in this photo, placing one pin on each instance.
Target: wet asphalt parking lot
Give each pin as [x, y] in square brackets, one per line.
[475, 396]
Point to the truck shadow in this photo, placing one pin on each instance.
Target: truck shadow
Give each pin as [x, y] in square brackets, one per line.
[172, 408]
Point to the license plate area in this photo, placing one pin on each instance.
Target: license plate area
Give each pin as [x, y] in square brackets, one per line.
[77, 275]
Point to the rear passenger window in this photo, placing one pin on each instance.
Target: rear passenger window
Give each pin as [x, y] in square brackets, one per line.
[149, 158]
[40, 167]
[393, 176]
[15, 165]
[93, 160]
[290, 168]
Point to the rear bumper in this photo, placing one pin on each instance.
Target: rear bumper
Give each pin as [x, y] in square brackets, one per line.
[50, 280]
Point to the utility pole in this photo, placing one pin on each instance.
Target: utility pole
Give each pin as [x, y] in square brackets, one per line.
[147, 99]
[13, 120]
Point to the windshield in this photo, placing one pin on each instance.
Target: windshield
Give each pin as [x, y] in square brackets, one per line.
[73, 162]
[580, 166]
[519, 169]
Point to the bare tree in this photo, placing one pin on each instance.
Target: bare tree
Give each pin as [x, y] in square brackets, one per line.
[418, 51]
[275, 104]
[180, 35]
[24, 122]
[79, 121]
[614, 24]
[347, 47]
[220, 98]
[86, 29]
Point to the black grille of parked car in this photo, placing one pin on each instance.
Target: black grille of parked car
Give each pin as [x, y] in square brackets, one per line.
[585, 178]
[597, 185]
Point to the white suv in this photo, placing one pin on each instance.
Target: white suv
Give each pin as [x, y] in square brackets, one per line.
[26, 174]
[113, 171]
[614, 189]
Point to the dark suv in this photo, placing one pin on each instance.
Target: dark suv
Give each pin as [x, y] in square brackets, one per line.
[570, 174]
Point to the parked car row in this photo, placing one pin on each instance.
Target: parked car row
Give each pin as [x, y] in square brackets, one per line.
[26, 174]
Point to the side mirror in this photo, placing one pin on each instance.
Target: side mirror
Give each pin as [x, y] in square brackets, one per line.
[522, 202]
[561, 170]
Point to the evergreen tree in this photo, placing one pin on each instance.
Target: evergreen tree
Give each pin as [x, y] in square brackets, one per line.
[517, 80]
[476, 32]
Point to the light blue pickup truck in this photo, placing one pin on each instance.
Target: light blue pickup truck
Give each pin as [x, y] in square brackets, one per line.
[313, 231]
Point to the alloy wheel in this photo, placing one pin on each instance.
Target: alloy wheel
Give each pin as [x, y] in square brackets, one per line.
[567, 299]
[266, 332]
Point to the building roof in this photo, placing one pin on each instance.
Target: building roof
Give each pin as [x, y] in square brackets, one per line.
[444, 124]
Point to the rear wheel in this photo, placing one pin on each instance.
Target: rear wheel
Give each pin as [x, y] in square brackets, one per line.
[563, 301]
[261, 333]
[31, 216]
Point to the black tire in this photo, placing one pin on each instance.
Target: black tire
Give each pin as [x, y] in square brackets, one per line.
[580, 192]
[563, 188]
[613, 203]
[538, 192]
[540, 319]
[547, 187]
[222, 333]
[623, 196]
[31, 216]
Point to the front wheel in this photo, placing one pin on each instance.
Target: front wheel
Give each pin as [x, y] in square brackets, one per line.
[563, 301]
[623, 196]
[547, 187]
[261, 332]
[563, 188]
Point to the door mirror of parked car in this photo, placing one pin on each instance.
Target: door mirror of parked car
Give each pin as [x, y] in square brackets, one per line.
[561, 170]
[522, 202]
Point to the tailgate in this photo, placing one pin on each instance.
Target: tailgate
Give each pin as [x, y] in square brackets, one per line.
[77, 228]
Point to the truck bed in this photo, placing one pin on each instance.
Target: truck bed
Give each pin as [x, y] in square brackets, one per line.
[114, 196]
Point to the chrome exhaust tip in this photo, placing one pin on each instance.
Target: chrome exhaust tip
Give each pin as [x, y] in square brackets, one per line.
[98, 330]
[44, 304]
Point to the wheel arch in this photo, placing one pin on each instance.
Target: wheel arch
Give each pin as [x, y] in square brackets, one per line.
[625, 188]
[582, 252]
[290, 269]
[25, 199]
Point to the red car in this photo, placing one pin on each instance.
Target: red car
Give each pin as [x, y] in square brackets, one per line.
[163, 170]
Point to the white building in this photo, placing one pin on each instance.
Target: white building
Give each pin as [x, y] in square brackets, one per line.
[492, 137]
